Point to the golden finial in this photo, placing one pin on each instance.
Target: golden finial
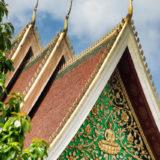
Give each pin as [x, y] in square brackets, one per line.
[66, 19]
[136, 34]
[150, 77]
[155, 90]
[130, 12]
[34, 14]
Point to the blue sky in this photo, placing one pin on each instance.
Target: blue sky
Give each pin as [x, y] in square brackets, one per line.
[90, 20]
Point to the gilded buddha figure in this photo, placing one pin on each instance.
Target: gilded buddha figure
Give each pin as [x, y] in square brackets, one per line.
[109, 145]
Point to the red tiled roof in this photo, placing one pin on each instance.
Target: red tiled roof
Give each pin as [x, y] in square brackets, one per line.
[24, 78]
[60, 99]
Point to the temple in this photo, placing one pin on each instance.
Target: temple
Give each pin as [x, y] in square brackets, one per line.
[100, 104]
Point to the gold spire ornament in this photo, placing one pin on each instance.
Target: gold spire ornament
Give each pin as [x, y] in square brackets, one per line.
[66, 19]
[34, 13]
[130, 12]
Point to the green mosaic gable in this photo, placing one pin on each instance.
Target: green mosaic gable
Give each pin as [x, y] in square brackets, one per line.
[110, 132]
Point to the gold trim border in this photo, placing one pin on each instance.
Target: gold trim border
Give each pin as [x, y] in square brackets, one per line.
[145, 66]
[134, 115]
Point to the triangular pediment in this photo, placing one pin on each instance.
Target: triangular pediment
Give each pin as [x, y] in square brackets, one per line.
[111, 130]
[124, 44]
[24, 46]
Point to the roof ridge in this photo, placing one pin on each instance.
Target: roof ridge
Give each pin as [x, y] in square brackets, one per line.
[38, 36]
[19, 34]
[42, 50]
[36, 73]
[145, 65]
[74, 105]
[51, 42]
[70, 46]
[96, 44]
[17, 39]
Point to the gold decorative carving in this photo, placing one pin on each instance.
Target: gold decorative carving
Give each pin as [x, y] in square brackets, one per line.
[122, 140]
[109, 145]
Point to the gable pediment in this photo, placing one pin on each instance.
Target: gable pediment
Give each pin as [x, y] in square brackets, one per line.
[111, 130]
[125, 39]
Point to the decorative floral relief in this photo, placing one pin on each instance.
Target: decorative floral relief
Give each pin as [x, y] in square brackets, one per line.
[110, 131]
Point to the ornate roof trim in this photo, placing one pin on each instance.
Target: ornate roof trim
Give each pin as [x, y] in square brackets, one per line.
[44, 52]
[18, 43]
[38, 36]
[93, 47]
[135, 116]
[145, 65]
[16, 40]
[40, 72]
[26, 31]
[44, 55]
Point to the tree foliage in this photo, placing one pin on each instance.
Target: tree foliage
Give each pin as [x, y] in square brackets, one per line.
[13, 123]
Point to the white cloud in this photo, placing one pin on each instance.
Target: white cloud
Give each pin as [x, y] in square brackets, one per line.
[90, 19]
[21, 10]
[87, 15]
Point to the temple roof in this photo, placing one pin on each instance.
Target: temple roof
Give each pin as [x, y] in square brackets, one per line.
[58, 85]
[68, 84]
[61, 97]
[120, 40]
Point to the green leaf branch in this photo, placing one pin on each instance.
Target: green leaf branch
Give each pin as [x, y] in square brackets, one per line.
[13, 123]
